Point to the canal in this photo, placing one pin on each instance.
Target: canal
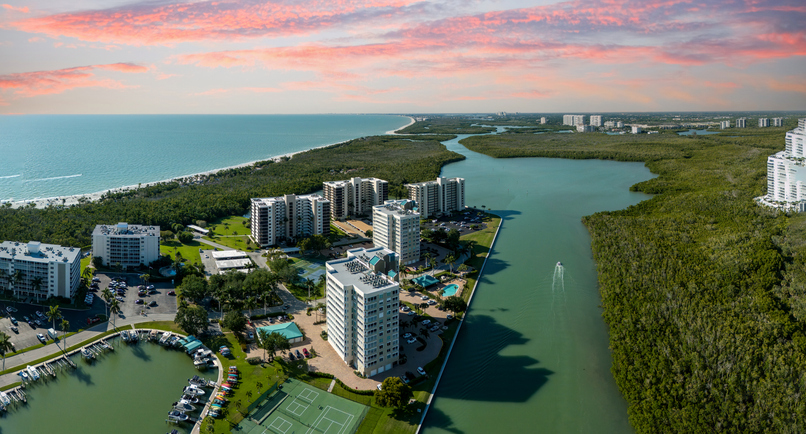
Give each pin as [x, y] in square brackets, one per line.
[127, 391]
[533, 353]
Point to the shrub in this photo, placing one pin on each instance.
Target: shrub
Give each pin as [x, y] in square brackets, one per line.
[253, 360]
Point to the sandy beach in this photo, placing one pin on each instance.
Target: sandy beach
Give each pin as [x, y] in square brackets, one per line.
[91, 197]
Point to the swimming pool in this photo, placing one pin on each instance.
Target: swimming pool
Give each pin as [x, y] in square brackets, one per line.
[450, 290]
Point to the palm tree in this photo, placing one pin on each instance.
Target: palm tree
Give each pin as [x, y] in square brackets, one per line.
[423, 306]
[114, 309]
[251, 303]
[65, 325]
[5, 347]
[462, 268]
[450, 260]
[107, 295]
[433, 264]
[36, 283]
[53, 314]
[424, 332]
[145, 278]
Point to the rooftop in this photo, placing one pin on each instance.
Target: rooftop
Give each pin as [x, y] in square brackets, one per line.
[289, 330]
[35, 251]
[126, 229]
[397, 207]
[356, 270]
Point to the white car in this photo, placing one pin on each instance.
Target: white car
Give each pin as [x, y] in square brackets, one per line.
[449, 317]
[406, 335]
[426, 322]
[412, 340]
[411, 313]
[425, 297]
[431, 302]
[420, 370]
[406, 309]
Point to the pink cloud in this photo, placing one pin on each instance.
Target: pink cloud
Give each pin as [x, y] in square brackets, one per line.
[15, 9]
[28, 84]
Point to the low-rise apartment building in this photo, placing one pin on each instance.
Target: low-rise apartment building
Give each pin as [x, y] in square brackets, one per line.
[125, 245]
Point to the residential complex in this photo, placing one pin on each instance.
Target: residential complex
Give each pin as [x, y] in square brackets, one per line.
[362, 309]
[596, 120]
[777, 122]
[125, 245]
[786, 173]
[763, 122]
[543, 120]
[586, 129]
[637, 130]
[355, 196]
[573, 120]
[396, 226]
[741, 123]
[34, 271]
[435, 198]
[277, 219]
[724, 125]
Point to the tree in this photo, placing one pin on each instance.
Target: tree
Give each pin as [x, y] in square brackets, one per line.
[368, 233]
[450, 260]
[424, 333]
[462, 268]
[53, 314]
[65, 325]
[192, 319]
[114, 309]
[185, 237]
[194, 288]
[423, 307]
[97, 262]
[166, 235]
[37, 284]
[5, 347]
[433, 263]
[455, 304]
[273, 342]
[393, 393]
[145, 277]
[235, 321]
[107, 295]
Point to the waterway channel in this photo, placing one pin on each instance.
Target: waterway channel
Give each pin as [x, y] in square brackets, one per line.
[127, 391]
[533, 353]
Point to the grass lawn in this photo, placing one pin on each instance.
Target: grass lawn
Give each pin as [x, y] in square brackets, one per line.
[85, 262]
[231, 232]
[168, 326]
[238, 242]
[189, 251]
[484, 239]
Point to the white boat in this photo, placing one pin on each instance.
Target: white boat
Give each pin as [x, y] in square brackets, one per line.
[190, 399]
[184, 406]
[125, 335]
[33, 372]
[201, 363]
[165, 337]
[194, 390]
[560, 264]
[177, 416]
[5, 399]
[87, 353]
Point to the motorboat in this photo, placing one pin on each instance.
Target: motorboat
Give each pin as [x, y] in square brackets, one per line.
[87, 354]
[134, 337]
[165, 337]
[184, 406]
[191, 399]
[153, 335]
[5, 399]
[198, 381]
[193, 390]
[201, 363]
[559, 264]
[178, 416]
[32, 372]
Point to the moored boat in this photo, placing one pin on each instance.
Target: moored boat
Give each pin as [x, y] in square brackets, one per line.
[5, 399]
[184, 406]
[193, 390]
[87, 354]
[178, 416]
[32, 372]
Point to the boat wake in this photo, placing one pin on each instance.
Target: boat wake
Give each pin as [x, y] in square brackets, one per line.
[10, 176]
[51, 179]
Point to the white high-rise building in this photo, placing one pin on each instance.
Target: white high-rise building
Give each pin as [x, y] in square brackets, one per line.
[777, 122]
[435, 198]
[44, 270]
[619, 124]
[543, 121]
[276, 219]
[129, 246]
[596, 120]
[637, 130]
[763, 122]
[355, 196]
[786, 173]
[362, 298]
[573, 120]
[396, 226]
[585, 128]
[741, 123]
[724, 125]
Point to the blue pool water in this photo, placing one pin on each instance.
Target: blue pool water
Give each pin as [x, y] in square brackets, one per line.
[450, 290]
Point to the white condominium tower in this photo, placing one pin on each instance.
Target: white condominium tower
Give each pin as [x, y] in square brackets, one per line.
[763, 122]
[573, 120]
[34, 271]
[355, 196]
[128, 246]
[362, 317]
[741, 123]
[786, 170]
[596, 120]
[275, 219]
[777, 122]
[438, 197]
[396, 226]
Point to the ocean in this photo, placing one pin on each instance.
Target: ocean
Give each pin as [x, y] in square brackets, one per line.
[45, 156]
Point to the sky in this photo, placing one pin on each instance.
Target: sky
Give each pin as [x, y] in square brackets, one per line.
[401, 56]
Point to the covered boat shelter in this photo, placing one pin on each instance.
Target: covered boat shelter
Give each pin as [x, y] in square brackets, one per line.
[289, 330]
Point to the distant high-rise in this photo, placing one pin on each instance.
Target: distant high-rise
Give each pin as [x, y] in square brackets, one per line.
[637, 130]
[396, 226]
[724, 124]
[435, 198]
[741, 123]
[543, 121]
[619, 124]
[763, 122]
[786, 172]
[585, 128]
[355, 197]
[777, 122]
[275, 219]
[596, 120]
[573, 120]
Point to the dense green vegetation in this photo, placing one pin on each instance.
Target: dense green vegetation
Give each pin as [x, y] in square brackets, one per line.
[397, 159]
[702, 289]
[441, 125]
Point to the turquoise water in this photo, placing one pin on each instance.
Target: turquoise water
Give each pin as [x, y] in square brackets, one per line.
[127, 391]
[59, 155]
[450, 290]
[533, 353]
[699, 132]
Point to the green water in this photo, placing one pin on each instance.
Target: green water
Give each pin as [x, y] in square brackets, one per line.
[533, 353]
[126, 391]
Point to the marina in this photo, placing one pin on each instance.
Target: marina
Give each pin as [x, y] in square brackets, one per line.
[61, 383]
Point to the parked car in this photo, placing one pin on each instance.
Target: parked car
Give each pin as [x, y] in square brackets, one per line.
[291, 356]
[250, 335]
[404, 379]
[15, 329]
[13, 320]
[41, 337]
[139, 301]
[93, 320]
[426, 322]
[299, 355]
[305, 352]
[409, 376]
[406, 335]
[406, 309]
[435, 328]
[420, 370]
[410, 313]
[425, 297]
[449, 317]
[25, 317]
[379, 386]
[172, 292]
[412, 340]
[153, 303]
[432, 302]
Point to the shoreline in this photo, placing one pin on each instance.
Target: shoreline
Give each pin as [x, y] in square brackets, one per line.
[76, 199]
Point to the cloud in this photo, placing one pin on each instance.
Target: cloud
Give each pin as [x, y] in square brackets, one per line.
[237, 89]
[23, 10]
[28, 84]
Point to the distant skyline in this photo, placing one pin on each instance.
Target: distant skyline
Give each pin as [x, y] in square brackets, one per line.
[401, 56]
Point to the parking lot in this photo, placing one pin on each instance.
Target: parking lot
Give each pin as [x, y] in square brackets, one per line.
[164, 303]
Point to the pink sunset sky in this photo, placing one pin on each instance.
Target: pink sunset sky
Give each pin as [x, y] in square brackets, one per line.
[400, 56]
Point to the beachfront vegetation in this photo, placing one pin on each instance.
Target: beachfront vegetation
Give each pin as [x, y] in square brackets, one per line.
[702, 289]
[397, 159]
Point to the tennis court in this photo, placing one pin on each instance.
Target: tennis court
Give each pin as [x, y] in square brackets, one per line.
[300, 408]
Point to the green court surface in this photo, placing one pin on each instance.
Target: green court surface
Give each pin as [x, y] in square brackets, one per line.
[300, 408]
